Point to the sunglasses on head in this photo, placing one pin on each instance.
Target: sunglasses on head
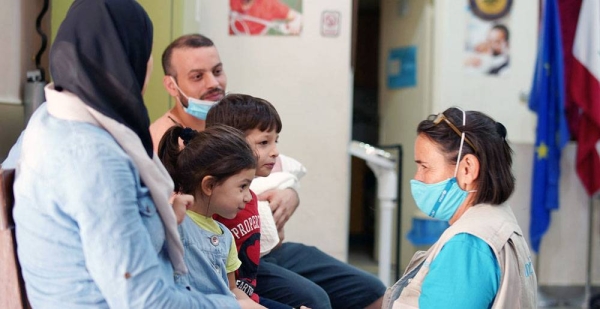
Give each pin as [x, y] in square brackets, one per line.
[441, 117]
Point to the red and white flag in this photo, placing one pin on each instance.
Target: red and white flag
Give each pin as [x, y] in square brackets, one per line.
[585, 90]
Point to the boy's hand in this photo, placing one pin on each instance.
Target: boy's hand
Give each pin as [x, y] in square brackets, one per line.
[181, 203]
[283, 203]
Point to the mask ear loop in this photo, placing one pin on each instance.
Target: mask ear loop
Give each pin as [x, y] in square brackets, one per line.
[462, 141]
[180, 91]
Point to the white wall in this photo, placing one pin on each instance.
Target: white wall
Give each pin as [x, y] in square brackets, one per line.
[309, 80]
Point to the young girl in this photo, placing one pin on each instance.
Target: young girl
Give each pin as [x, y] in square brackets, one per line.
[215, 166]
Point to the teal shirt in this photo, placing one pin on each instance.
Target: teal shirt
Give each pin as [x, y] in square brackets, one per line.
[464, 275]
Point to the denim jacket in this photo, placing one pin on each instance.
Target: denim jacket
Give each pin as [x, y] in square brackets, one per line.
[88, 233]
[205, 256]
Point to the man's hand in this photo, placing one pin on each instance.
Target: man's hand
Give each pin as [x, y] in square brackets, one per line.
[281, 235]
[181, 203]
[283, 203]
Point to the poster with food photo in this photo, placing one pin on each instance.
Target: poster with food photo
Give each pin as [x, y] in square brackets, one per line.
[265, 17]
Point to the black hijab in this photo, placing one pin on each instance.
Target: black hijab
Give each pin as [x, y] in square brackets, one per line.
[100, 54]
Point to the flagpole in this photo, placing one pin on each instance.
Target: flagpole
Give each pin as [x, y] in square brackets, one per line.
[588, 268]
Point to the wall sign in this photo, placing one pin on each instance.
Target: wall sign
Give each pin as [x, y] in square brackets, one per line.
[402, 67]
[330, 23]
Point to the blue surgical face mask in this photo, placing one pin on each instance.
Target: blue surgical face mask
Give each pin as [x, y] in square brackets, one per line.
[196, 107]
[440, 200]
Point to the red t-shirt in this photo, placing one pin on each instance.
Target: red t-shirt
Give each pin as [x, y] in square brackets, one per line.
[267, 10]
[245, 228]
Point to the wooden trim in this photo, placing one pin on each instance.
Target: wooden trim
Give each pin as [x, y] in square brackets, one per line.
[12, 286]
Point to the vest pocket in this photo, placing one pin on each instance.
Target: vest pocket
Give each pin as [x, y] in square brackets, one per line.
[409, 297]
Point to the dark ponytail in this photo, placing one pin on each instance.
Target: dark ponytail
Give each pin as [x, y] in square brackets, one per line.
[169, 150]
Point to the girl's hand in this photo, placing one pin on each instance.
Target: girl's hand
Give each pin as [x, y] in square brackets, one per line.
[181, 203]
[248, 303]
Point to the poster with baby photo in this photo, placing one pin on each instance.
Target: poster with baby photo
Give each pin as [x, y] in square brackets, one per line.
[487, 46]
[265, 17]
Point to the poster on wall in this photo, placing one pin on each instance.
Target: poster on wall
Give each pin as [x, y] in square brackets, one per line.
[402, 67]
[487, 46]
[265, 17]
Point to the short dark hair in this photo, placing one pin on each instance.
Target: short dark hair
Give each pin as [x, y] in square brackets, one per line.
[220, 151]
[504, 30]
[244, 112]
[496, 182]
[195, 40]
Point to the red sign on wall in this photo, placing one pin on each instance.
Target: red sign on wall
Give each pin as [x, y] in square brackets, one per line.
[330, 23]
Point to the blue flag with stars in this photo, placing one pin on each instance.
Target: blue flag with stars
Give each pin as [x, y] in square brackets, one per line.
[547, 100]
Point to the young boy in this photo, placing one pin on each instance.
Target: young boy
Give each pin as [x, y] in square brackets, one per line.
[261, 124]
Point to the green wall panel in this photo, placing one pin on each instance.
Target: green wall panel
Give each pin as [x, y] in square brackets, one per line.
[166, 28]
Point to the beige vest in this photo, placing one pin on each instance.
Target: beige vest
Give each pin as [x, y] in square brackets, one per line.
[498, 227]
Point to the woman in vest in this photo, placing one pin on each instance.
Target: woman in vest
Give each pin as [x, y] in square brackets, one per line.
[464, 177]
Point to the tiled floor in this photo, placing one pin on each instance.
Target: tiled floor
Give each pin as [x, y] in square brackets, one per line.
[548, 297]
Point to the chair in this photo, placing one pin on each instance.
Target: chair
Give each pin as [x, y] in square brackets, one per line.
[12, 286]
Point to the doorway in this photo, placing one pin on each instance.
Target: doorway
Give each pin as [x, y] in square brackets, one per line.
[365, 128]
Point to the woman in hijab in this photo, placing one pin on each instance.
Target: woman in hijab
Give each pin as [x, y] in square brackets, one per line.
[93, 220]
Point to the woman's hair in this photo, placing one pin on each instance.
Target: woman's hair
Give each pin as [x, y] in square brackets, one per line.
[220, 151]
[244, 112]
[486, 140]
